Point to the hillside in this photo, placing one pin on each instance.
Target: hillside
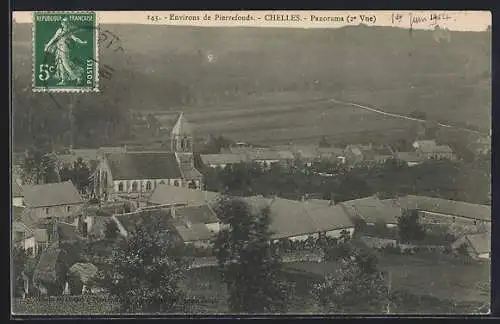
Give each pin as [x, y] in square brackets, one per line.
[259, 72]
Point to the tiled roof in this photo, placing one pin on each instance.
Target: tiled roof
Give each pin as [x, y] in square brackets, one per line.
[291, 218]
[196, 214]
[480, 242]
[409, 157]
[143, 165]
[16, 190]
[372, 210]
[194, 232]
[131, 221]
[225, 158]
[445, 206]
[167, 194]
[430, 146]
[326, 217]
[264, 154]
[51, 194]
[190, 173]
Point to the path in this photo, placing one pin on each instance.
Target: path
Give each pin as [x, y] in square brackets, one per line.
[381, 112]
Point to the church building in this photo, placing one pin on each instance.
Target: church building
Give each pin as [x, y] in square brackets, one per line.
[138, 173]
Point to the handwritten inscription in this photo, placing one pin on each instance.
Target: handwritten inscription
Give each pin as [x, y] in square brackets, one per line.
[413, 19]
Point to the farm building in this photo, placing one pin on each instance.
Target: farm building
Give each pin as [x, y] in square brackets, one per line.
[297, 220]
[372, 210]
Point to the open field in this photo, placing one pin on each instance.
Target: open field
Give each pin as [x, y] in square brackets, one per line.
[272, 119]
[430, 276]
[262, 87]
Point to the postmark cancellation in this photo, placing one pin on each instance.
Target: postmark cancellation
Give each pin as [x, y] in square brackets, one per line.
[65, 52]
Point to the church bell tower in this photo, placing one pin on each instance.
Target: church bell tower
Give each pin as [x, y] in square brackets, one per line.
[182, 142]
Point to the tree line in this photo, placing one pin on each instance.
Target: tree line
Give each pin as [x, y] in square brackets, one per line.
[455, 180]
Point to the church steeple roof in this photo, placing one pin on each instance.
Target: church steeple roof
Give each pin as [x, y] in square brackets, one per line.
[181, 126]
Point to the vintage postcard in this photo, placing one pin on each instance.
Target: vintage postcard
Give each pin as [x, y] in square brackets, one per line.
[251, 162]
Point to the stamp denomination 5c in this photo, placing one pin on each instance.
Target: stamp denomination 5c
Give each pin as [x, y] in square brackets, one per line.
[65, 52]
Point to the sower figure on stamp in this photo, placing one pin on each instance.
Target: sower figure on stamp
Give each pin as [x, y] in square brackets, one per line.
[59, 45]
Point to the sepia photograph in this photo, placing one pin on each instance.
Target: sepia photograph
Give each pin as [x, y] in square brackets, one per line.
[250, 163]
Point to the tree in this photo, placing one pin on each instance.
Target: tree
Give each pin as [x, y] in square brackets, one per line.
[410, 229]
[248, 264]
[111, 230]
[39, 168]
[145, 271]
[19, 260]
[356, 285]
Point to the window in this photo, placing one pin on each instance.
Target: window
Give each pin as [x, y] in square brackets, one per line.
[148, 185]
[162, 182]
[68, 208]
[134, 186]
[46, 211]
[120, 187]
[176, 183]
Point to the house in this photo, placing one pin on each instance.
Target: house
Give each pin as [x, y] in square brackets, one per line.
[168, 195]
[59, 200]
[197, 235]
[139, 173]
[307, 154]
[409, 158]
[264, 157]
[222, 160]
[332, 154]
[437, 210]
[17, 195]
[353, 154]
[297, 220]
[374, 155]
[478, 245]
[372, 211]
[129, 223]
[429, 149]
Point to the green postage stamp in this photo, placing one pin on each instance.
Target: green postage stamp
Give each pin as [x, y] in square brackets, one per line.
[65, 52]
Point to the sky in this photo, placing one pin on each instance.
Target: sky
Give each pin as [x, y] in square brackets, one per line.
[452, 20]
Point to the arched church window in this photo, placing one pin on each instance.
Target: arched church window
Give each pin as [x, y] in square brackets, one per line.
[134, 186]
[120, 187]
